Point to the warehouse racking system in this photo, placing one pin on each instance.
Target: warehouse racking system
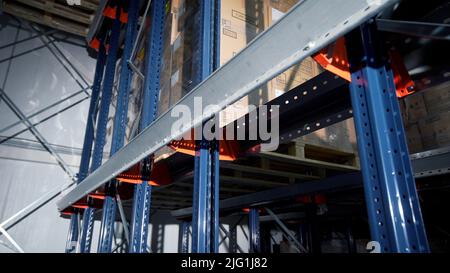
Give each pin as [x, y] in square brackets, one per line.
[370, 95]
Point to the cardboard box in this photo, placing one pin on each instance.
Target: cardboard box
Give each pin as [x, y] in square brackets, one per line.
[414, 138]
[415, 107]
[435, 131]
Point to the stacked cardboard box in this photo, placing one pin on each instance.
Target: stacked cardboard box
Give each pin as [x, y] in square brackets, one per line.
[241, 22]
[426, 116]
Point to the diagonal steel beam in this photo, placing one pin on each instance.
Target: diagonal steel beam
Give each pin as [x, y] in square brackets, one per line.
[47, 108]
[11, 240]
[37, 134]
[286, 230]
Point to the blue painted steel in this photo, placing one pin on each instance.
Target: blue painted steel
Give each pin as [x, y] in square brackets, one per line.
[253, 225]
[205, 218]
[202, 192]
[185, 237]
[140, 218]
[215, 194]
[393, 206]
[142, 192]
[88, 141]
[86, 230]
[108, 81]
[120, 120]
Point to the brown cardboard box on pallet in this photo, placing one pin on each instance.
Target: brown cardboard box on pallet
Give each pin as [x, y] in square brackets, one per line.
[437, 100]
[435, 131]
[414, 138]
[426, 116]
[415, 107]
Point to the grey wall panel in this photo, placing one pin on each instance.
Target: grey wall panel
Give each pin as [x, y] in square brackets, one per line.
[35, 80]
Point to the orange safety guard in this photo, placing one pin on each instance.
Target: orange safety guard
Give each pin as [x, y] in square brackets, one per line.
[110, 12]
[334, 59]
[228, 149]
[316, 199]
[160, 175]
[95, 44]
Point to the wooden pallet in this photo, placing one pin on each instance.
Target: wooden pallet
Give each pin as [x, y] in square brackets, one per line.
[58, 14]
[294, 162]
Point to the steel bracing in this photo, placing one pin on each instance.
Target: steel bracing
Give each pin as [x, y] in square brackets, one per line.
[386, 174]
[142, 193]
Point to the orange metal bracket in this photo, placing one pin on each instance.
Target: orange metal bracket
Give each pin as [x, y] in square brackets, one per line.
[228, 149]
[334, 59]
[110, 12]
[159, 176]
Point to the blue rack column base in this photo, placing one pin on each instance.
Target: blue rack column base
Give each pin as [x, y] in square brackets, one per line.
[108, 220]
[253, 224]
[205, 218]
[392, 202]
[87, 229]
[141, 217]
[184, 237]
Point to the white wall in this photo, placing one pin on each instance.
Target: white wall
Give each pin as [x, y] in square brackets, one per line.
[34, 80]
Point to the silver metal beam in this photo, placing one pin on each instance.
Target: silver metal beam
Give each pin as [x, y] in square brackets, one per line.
[44, 199]
[123, 218]
[307, 28]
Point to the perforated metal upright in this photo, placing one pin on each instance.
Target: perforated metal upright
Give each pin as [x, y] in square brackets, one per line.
[253, 226]
[205, 218]
[118, 137]
[73, 236]
[392, 201]
[184, 248]
[100, 139]
[142, 192]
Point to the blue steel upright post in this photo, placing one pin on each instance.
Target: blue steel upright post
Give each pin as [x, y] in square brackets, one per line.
[108, 81]
[73, 237]
[392, 202]
[120, 122]
[142, 192]
[205, 218]
[253, 224]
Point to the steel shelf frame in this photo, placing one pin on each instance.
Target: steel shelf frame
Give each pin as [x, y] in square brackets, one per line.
[205, 218]
[118, 137]
[100, 139]
[391, 196]
[393, 207]
[296, 36]
[142, 192]
[72, 239]
[253, 226]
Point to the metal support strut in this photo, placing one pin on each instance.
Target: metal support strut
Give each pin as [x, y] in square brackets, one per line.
[393, 206]
[87, 144]
[205, 219]
[142, 192]
[118, 137]
[253, 225]
[108, 81]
